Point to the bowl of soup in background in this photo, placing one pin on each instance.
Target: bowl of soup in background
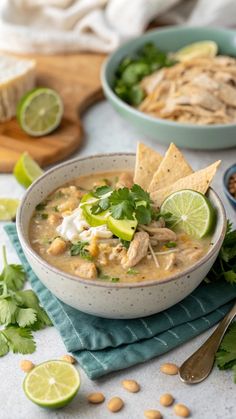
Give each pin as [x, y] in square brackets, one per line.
[171, 39]
[100, 298]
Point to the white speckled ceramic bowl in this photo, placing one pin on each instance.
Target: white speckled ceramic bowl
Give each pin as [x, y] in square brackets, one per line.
[104, 299]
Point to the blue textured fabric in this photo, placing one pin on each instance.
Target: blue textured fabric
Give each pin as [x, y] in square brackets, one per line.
[103, 345]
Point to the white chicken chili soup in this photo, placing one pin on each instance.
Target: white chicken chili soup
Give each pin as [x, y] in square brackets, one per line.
[86, 228]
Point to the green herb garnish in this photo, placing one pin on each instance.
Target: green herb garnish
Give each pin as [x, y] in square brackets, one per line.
[226, 354]
[20, 312]
[41, 206]
[43, 216]
[170, 244]
[225, 264]
[55, 208]
[58, 195]
[124, 203]
[132, 271]
[79, 249]
[125, 243]
[106, 277]
[132, 70]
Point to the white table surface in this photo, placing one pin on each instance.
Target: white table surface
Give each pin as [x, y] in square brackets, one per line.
[214, 398]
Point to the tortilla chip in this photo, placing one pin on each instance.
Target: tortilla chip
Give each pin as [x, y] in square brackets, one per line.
[173, 167]
[198, 181]
[147, 162]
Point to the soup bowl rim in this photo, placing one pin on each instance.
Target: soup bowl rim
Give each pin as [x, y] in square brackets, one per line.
[98, 283]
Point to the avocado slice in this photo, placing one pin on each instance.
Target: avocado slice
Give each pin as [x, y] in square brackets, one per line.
[93, 220]
[124, 229]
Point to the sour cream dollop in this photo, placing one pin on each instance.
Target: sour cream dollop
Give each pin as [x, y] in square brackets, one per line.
[75, 227]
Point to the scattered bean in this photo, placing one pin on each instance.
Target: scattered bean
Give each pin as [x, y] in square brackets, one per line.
[152, 414]
[166, 399]
[115, 404]
[96, 398]
[170, 369]
[131, 385]
[68, 358]
[181, 410]
[26, 365]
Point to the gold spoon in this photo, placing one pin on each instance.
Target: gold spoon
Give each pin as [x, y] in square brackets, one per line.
[199, 365]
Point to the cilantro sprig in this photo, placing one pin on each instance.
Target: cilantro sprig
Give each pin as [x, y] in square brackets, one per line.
[124, 203]
[226, 354]
[20, 311]
[225, 264]
[80, 249]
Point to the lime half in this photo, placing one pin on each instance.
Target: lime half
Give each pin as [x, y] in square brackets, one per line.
[191, 212]
[52, 384]
[39, 112]
[26, 170]
[8, 208]
[204, 49]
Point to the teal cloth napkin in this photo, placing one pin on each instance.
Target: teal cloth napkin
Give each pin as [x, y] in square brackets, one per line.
[103, 345]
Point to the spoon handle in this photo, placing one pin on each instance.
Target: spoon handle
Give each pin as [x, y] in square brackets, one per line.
[199, 365]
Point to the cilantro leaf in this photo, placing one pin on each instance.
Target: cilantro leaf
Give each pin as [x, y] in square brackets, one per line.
[79, 249]
[7, 310]
[30, 300]
[101, 206]
[4, 348]
[132, 271]
[19, 340]
[12, 275]
[125, 243]
[102, 190]
[25, 316]
[143, 215]
[226, 354]
[225, 264]
[139, 194]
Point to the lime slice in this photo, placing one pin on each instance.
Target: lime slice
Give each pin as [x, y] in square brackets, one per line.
[39, 112]
[52, 384]
[124, 229]
[204, 49]
[8, 208]
[26, 170]
[94, 220]
[191, 212]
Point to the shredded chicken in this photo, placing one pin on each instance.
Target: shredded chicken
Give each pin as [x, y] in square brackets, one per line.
[171, 261]
[137, 250]
[199, 91]
[160, 234]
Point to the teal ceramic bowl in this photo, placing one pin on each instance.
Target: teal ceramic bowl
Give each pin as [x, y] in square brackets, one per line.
[184, 135]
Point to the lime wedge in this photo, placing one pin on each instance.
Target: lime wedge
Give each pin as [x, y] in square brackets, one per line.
[52, 384]
[191, 212]
[203, 49]
[124, 229]
[8, 208]
[26, 170]
[39, 112]
[94, 220]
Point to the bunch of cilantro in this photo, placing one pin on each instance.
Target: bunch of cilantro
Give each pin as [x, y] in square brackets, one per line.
[20, 312]
[225, 264]
[124, 203]
[226, 354]
[132, 69]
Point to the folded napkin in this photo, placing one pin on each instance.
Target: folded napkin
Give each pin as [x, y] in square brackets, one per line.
[103, 345]
[52, 26]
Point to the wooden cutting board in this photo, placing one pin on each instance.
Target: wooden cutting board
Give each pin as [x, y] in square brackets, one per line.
[77, 79]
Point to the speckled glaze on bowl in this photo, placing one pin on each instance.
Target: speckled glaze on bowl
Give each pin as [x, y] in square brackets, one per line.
[170, 39]
[229, 172]
[101, 298]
